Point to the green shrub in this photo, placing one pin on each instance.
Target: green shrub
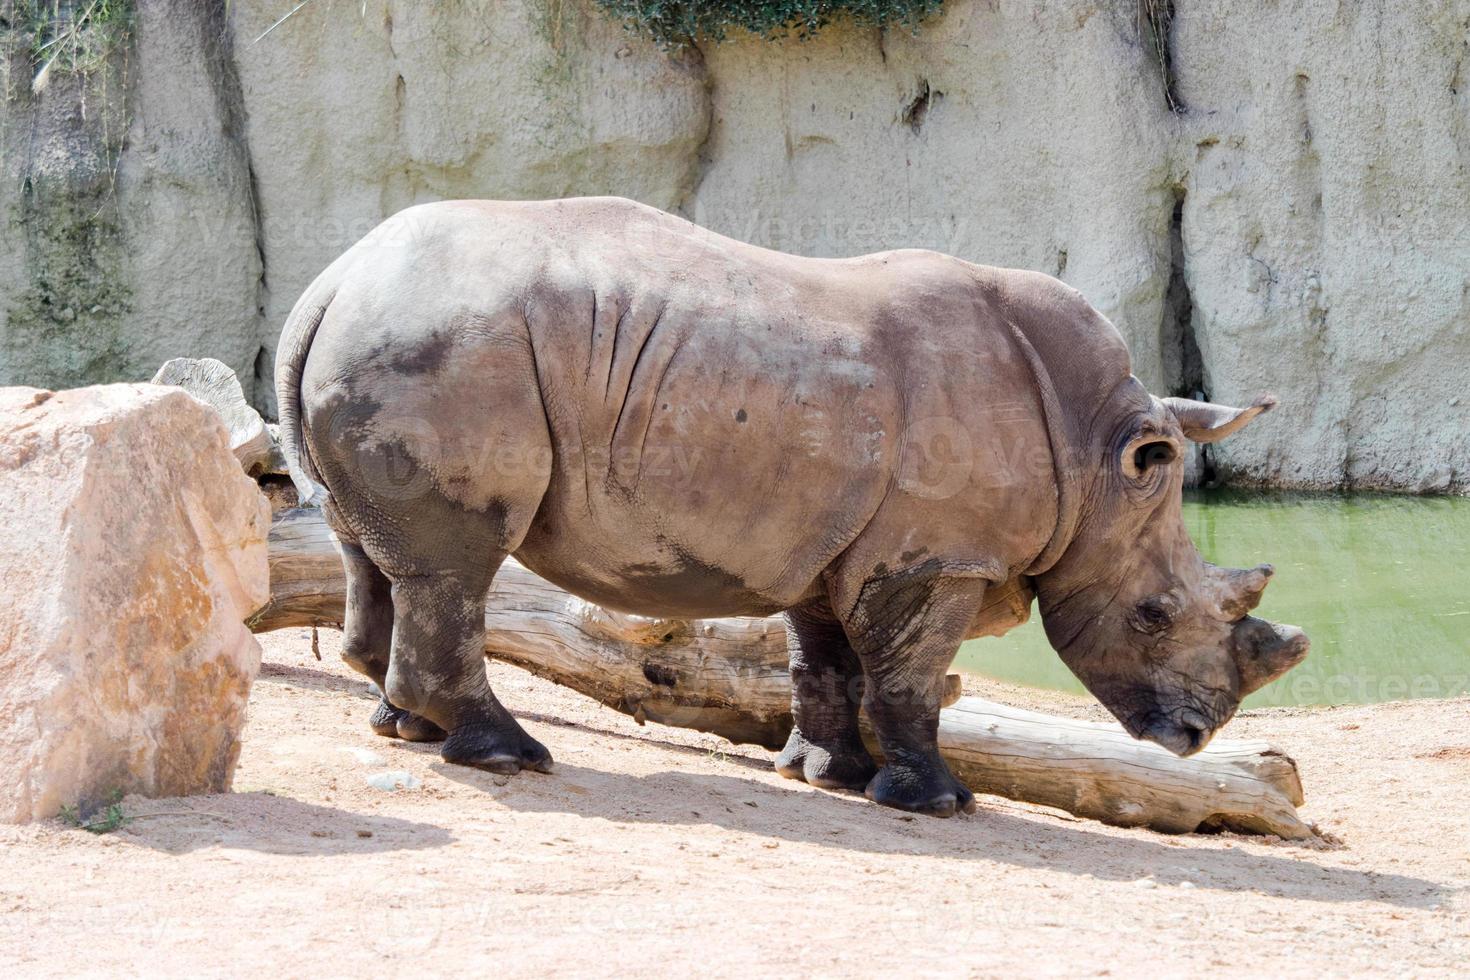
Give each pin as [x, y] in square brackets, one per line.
[67, 36]
[677, 23]
[111, 818]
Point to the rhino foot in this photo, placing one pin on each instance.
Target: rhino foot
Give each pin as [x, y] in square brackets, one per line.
[391, 722]
[495, 748]
[838, 767]
[384, 721]
[414, 728]
[921, 784]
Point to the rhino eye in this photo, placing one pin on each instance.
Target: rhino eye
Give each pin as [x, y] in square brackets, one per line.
[1153, 454]
[1152, 615]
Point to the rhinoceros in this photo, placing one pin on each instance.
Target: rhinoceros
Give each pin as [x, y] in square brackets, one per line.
[669, 422]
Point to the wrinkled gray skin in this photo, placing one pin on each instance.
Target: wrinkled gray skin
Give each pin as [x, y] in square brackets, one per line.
[668, 422]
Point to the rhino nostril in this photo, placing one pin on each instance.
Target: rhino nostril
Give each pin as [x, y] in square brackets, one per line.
[1195, 735]
[1196, 727]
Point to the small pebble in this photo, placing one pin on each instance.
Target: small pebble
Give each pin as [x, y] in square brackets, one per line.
[393, 780]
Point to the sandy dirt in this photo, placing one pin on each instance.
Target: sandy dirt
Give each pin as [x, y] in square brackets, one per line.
[653, 851]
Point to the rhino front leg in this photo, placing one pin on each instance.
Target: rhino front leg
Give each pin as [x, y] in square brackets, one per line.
[367, 632]
[906, 629]
[825, 748]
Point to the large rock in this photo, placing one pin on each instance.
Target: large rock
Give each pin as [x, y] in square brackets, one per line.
[134, 547]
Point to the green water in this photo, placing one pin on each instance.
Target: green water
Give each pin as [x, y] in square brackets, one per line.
[1381, 584]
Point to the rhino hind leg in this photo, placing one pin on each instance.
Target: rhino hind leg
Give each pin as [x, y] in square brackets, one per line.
[825, 748]
[906, 629]
[393, 722]
[437, 490]
[367, 633]
[437, 670]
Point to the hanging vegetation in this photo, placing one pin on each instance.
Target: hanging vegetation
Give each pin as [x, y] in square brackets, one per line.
[678, 23]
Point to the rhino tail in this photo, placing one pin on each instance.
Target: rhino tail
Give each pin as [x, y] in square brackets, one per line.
[291, 353]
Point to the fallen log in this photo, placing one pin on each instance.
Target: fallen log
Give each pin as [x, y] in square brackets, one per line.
[729, 677]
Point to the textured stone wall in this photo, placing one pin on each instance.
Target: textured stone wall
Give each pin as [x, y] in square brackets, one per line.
[126, 223]
[356, 112]
[1032, 135]
[1326, 154]
[1301, 225]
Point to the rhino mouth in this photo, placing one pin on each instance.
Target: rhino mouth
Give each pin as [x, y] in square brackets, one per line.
[1184, 732]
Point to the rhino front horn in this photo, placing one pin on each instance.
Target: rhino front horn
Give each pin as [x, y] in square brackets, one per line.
[1264, 651]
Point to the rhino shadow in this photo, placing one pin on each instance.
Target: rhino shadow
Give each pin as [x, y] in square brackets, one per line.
[999, 832]
[316, 678]
[847, 822]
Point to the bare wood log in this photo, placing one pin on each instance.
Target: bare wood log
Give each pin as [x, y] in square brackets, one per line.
[1099, 771]
[215, 384]
[729, 677]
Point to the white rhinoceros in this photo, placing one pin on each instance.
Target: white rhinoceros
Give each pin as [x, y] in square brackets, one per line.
[666, 421]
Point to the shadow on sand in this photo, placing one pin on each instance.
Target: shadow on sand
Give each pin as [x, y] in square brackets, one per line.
[847, 822]
[272, 825]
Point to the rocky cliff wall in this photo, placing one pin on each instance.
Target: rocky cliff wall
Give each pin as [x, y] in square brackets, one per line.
[126, 222]
[1279, 203]
[1326, 158]
[356, 112]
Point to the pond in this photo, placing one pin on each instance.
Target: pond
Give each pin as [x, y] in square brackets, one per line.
[1380, 583]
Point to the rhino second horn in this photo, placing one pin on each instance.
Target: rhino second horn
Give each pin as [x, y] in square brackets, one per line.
[1241, 590]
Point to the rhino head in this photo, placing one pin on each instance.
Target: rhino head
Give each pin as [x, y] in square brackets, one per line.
[1161, 637]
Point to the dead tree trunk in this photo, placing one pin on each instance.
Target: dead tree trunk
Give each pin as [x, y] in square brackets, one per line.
[729, 677]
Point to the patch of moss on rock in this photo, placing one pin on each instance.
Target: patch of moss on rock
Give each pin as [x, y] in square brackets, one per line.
[675, 24]
[66, 36]
[63, 127]
[73, 309]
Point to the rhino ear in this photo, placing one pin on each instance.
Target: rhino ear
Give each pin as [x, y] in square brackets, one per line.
[1207, 422]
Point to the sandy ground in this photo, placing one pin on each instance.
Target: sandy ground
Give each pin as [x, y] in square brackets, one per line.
[658, 852]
